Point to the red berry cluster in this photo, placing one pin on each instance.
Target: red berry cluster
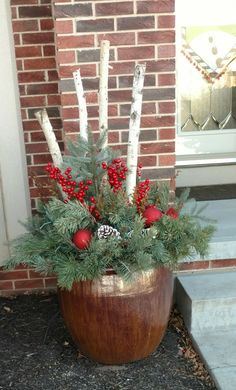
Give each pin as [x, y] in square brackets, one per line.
[139, 170]
[116, 173]
[69, 186]
[141, 193]
[92, 208]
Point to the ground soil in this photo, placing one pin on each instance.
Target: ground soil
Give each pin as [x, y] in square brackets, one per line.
[37, 353]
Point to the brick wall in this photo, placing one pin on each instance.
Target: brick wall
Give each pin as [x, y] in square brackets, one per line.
[138, 31]
[33, 30]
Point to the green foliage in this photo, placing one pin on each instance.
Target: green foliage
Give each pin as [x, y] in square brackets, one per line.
[48, 245]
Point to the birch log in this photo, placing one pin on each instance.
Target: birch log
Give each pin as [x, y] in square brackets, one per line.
[103, 87]
[53, 147]
[134, 129]
[83, 116]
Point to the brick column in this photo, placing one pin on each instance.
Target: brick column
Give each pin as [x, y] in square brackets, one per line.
[138, 31]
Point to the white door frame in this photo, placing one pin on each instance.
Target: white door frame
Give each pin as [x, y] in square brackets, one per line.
[13, 180]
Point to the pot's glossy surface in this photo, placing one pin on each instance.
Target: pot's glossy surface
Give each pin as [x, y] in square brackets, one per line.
[113, 321]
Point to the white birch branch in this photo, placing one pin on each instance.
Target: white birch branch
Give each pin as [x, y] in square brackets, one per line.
[53, 147]
[103, 87]
[83, 116]
[134, 129]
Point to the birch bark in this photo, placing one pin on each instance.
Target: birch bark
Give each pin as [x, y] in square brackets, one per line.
[103, 87]
[46, 126]
[83, 116]
[134, 129]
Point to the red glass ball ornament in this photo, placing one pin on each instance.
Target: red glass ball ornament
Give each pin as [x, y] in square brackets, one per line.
[151, 214]
[171, 212]
[82, 238]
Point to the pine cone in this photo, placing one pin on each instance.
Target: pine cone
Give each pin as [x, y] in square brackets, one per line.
[106, 231]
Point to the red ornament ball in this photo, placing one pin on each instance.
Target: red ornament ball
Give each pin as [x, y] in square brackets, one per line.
[171, 212]
[151, 214]
[82, 238]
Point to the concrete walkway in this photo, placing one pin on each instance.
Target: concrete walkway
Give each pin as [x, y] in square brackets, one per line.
[207, 302]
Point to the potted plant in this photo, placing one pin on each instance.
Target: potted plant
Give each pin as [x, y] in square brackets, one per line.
[112, 239]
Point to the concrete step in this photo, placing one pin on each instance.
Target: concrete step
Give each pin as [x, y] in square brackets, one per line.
[207, 300]
[218, 351]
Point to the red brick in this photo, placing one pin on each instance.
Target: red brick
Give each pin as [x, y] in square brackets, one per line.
[167, 65]
[223, 263]
[33, 101]
[31, 125]
[6, 285]
[38, 136]
[133, 52]
[72, 10]
[193, 265]
[118, 68]
[166, 79]
[154, 121]
[72, 41]
[21, 266]
[16, 39]
[88, 70]
[166, 51]
[28, 51]
[166, 134]
[36, 148]
[119, 96]
[46, 24]
[13, 275]
[19, 64]
[70, 113]
[148, 161]
[39, 89]
[168, 160]
[118, 39]
[34, 275]
[40, 63]
[24, 25]
[157, 147]
[49, 51]
[50, 282]
[23, 2]
[155, 6]
[52, 75]
[166, 21]
[166, 107]
[14, 12]
[135, 23]
[156, 37]
[29, 284]
[42, 158]
[54, 100]
[31, 77]
[39, 37]
[64, 26]
[113, 137]
[115, 8]
[91, 97]
[69, 99]
[66, 57]
[34, 11]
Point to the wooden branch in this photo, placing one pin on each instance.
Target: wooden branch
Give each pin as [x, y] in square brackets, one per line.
[83, 116]
[53, 147]
[134, 129]
[103, 86]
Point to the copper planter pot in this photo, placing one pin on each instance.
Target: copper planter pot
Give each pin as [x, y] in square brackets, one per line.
[113, 321]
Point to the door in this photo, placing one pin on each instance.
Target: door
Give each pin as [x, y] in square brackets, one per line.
[206, 89]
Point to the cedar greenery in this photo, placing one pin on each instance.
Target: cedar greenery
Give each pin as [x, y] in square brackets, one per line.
[48, 246]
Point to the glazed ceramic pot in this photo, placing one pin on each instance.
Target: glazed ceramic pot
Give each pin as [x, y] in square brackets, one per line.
[113, 321]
